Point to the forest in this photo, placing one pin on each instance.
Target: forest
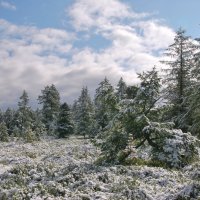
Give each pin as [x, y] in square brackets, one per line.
[153, 124]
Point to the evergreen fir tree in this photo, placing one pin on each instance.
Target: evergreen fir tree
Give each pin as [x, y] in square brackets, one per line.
[193, 99]
[50, 100]
[65, 125]
[133, 116]
[105, 104]
[84, 116]
[178, 76]
[75, 111]
[141, 118]
[3, 132]
[1, 116]
[30, 135]
[8, 118]
[194, 110]
[143, 108]
[131, 92]
[38, 125]
[121, 90]
[24, 114]
[115, 142]
[16, 132]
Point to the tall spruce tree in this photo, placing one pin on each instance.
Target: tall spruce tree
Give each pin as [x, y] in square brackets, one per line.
[1, 116]
[178, 76]
[105, 104]
[121, 90]
[3, 132]
[75, 111]
[24, 114]
[8, 118]
[194, 103]
[84, 113]
[50, 100]
[65, 126]
[38, 125]
[142, 108]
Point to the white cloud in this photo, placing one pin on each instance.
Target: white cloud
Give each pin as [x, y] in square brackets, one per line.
[136, 39]
[86, 14]
[156, 36]
[7, 5]
[33, 57]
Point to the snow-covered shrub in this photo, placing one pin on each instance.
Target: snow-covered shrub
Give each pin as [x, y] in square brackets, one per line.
[30, 135]
[51, 169]
[189, 192]
[177, 149]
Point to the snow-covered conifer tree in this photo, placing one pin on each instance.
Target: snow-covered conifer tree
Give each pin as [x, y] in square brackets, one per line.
[3, 132]
[178, 76]
[50, 100]
[193, 99]
[23, 116]
[141, 118]
[65, 125]
[121, 90]
[105, 104]
[8, 118]
[38, 125]
[84, 113]
[1, 116]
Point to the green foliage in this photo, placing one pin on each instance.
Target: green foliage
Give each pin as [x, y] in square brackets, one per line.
[121, 90]
[65, 125]
[50, 100]
[133, 116]
[1, 116]
[141, 118]
[115, 142]
[101, 160]
[84, 113]
[38, 125]
[3, 132]
[178, 77]
[105, 104]
[16, 132]
[30, 135]
[136, 113]
[8, 118]
[23, 116]
[194, 110]
[142, 162]
[131, 91]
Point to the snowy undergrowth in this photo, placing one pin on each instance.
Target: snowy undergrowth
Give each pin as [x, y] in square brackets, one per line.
[65, 169]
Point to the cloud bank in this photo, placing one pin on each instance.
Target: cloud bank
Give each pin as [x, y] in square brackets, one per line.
[32, 58]
[7, 5]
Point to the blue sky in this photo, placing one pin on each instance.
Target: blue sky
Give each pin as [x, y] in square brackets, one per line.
[73, 43]
[51, 13]
[175, 13]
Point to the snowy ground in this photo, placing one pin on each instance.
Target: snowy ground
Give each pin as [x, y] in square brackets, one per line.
[65, 169]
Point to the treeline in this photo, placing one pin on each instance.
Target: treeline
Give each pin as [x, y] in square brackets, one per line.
[159, 112]
[85, 117]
